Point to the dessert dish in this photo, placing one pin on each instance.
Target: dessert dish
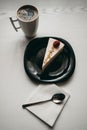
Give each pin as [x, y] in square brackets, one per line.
[60, 69]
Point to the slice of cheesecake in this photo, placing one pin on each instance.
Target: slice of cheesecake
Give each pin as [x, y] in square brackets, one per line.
[54, 48]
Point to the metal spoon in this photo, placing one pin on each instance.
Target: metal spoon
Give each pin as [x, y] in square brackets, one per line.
[56, 98]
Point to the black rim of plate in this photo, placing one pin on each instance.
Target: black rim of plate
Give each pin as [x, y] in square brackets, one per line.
[32, 68]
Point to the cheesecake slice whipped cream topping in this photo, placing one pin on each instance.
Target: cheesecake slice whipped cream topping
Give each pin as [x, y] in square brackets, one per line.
[54, 48]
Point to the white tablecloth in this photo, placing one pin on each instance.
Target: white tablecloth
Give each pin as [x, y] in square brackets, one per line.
[67, 20]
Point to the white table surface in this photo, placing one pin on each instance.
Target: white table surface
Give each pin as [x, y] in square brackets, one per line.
[66, 19]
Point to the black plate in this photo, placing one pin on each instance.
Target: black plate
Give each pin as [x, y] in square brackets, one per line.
[59, 70]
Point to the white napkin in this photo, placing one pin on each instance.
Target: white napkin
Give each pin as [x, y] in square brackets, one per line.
[48, 111]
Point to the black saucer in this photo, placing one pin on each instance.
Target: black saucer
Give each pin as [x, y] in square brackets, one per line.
[59, 70]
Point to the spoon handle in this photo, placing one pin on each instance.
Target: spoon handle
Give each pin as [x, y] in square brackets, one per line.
[31, 104]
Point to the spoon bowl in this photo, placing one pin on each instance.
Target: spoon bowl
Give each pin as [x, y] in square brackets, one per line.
[58, 98]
